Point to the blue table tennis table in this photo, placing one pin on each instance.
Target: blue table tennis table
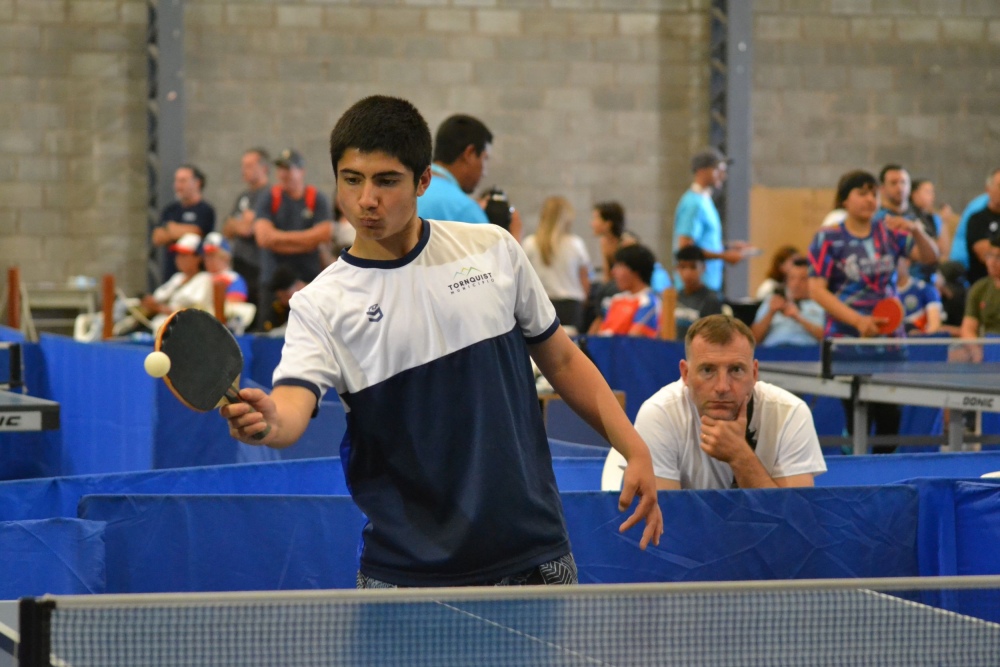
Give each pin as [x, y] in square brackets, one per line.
[955, 387]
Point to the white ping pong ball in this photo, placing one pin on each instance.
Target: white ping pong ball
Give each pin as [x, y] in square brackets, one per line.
[157, 364]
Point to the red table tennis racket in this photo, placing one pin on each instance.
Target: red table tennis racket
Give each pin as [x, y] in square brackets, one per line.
[891, 311]
[205, 361]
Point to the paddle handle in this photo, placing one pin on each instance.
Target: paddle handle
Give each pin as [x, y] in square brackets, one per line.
[233, 396]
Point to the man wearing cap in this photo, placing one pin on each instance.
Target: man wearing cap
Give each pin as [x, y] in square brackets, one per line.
[696, 220]
[293, 220]
[185, 288]
[238, 227]
[461, 150]
[188, 214]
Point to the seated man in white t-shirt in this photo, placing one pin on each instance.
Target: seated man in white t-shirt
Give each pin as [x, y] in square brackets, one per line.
[184, 289]
[718, 427]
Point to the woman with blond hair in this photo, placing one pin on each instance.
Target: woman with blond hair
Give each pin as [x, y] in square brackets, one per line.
[560, 259]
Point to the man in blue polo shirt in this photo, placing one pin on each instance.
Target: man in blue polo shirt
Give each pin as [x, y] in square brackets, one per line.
[697, 222]
[461, 150]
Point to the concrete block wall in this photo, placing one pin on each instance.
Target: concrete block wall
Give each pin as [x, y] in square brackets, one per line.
[592, 99]
[840, 84]
[72, 138]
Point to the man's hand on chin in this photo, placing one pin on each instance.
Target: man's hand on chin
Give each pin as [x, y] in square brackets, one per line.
[725, 439]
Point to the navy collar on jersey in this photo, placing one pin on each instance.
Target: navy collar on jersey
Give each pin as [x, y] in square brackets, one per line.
[425, 235]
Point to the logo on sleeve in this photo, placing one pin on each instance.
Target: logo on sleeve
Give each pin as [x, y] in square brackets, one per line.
[374, 313]
[467, 278]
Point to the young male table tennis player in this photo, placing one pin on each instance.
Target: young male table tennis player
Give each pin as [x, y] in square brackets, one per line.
[424, 330]
[852, 266]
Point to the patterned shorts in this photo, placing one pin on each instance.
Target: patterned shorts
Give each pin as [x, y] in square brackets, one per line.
[558, 572]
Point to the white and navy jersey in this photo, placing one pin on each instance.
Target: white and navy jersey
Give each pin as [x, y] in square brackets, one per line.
[445, 451]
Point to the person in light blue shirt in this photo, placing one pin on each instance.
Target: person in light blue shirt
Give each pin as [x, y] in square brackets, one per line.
[789, 316]
[462, 148]
[697, 222]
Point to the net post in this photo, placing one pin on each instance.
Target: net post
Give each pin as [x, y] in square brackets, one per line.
[35, 619]
[108, 305]
[219, 300]
[826, 359]
[14, 297]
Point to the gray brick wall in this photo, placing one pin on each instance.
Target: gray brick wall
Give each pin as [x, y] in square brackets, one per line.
[72, 163]
[592, 99]
[859, 83]
[572, 90]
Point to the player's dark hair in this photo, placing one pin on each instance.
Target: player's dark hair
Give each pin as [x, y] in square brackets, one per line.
[717, 330]
[458, 132]
[886, 169]
[198, 174]
[639, 259]
[857, 178]
[387, 125]
[690, 253]
[613, 212]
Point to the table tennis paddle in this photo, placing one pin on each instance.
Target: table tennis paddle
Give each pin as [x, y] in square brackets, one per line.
[205, 361]
[891, 311]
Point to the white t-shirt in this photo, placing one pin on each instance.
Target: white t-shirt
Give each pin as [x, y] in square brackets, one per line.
[561, 278]
[181, 292]
[786, 437]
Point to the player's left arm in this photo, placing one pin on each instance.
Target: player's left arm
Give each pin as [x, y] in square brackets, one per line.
[581, 385]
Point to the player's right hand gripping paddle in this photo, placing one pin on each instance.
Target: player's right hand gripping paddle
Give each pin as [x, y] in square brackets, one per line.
[891, 312]
[205, 361]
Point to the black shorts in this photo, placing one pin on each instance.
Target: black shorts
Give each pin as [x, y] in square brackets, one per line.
[558, 572]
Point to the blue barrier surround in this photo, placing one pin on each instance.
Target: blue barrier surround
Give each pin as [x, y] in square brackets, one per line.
[59, 496]
[158, 542]
[763, 534]
[256, 543]
[117, 419]
[59, 556]
[865, 470]
[956, 527]
[289, 542]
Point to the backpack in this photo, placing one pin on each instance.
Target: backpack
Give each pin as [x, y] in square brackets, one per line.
[310, 200]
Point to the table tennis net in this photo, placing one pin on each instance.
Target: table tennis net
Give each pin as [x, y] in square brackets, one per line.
[762, 623]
